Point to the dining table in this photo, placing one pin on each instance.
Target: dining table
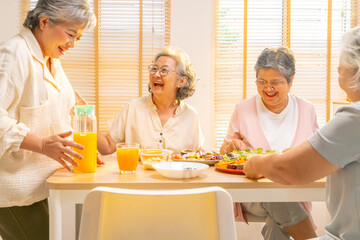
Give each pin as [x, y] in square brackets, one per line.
[71, 188]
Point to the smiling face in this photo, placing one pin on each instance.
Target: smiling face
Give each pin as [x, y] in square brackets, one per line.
[56, 39]
[165, 86]
[275, 90]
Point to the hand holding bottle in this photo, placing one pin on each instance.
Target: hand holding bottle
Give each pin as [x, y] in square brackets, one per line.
[56, 147]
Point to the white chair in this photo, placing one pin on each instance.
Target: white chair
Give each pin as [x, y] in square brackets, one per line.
[188, 214]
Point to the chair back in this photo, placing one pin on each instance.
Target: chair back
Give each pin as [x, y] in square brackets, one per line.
[202, 213]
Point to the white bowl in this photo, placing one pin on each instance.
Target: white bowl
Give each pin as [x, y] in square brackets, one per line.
[180, 169]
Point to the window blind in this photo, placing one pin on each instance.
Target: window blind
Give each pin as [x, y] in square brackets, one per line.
[312, 29]
[109, 65]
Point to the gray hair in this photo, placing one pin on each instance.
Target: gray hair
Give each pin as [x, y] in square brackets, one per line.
[184, 68]
[350, 54]
[280, 59]
[61, 11]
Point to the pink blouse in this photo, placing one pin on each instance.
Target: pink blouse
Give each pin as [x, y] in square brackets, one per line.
[245, 121]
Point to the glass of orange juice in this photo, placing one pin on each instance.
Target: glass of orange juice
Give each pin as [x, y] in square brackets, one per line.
[127, 157]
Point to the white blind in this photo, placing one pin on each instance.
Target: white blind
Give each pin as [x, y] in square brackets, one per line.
[109, 65]
[228, 80]
[315, 31]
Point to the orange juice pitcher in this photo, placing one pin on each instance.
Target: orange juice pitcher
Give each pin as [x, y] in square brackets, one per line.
[85, 134]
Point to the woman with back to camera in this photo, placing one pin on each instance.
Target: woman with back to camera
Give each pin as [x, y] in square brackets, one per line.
[162, 116]
[273, 120]
[35, 103]
[332, 151]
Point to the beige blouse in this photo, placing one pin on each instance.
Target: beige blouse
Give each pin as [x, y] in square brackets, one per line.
[31, 99]
[139, 122]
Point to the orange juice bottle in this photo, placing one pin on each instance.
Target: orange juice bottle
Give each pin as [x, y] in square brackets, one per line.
[85, 134]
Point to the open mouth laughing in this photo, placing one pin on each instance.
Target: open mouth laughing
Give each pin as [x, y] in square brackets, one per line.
[270, 95]
[158, 85]
[62, 50]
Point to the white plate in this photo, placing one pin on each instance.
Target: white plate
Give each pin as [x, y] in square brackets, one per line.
[180, 169]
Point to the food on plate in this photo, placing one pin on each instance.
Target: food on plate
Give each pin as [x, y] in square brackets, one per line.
[235, 166]
[184, 151]
[231, 164]
[237, 159]
[200, 155]
[176, 157]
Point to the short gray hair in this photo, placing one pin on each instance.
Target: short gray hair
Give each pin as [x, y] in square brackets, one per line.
[61, 11]
[184, 68]
[350, 54]
[280, 59]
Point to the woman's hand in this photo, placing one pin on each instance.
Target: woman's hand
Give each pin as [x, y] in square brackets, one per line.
[98, 160]
[60, 149]
[249, 168]
[239, 143]
[79, 100]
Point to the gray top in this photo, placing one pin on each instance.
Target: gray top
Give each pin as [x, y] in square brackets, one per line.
[339, 142]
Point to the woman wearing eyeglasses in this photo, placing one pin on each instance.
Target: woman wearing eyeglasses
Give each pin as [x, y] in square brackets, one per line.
[161, 116]
[273, 120]
[332, 152]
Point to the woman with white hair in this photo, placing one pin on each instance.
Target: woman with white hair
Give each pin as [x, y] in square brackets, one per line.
[162, 116]
[274, 119]
[35, 102]
[332, 151]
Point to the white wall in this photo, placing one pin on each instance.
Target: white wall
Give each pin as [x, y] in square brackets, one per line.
[9, 18]
[192, 25]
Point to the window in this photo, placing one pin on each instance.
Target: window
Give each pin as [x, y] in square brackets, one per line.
[312, 29]
[109, 65]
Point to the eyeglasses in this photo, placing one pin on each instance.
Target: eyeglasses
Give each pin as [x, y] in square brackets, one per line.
[164, 71]
[274, 84]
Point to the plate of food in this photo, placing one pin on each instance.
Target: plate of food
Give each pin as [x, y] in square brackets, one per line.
[237, 159]
[197, 156]
[231, 166]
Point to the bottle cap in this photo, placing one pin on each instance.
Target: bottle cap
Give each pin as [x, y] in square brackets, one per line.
[84, 110]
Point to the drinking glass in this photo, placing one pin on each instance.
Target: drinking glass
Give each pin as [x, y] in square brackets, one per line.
[127, 157]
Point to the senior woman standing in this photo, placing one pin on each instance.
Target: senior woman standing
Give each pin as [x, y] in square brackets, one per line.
[35, 101]
[273, 120]
[162, 116]
[333, 151]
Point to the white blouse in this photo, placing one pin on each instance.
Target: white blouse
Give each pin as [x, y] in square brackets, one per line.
[31, 99]
[138, 122]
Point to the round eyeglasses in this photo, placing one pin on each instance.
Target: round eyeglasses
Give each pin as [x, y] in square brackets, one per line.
[264, 84]
[163, 71]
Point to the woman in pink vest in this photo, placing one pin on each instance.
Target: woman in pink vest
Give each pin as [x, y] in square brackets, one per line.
[273, 120]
